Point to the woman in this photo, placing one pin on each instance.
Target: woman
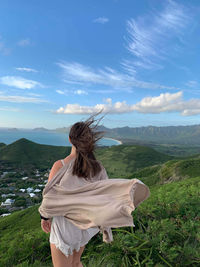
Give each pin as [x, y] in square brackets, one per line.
[67, 242]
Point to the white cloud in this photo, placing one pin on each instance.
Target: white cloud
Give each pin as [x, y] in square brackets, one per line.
[80, 92]
[162, 103]
[67, 92]
[101, 20]
[60, 92]
[24, 42]
[26, 69]
[85, 75]
[165, 102]
[150, 37]
[21, 99]
[19, 82]
[118, 107]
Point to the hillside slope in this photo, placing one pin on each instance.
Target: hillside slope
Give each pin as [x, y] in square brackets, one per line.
[170, 171]
[25, 152]
[120, 160]
[165, 233]
[2, 145]
[123, 160]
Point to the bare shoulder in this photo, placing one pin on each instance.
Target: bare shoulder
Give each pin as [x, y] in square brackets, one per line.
[68, 159]
[56, 166]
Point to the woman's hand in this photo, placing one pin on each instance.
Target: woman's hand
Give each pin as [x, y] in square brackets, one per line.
[46, 225]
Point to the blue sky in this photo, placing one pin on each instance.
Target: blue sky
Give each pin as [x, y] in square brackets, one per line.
[61, 61]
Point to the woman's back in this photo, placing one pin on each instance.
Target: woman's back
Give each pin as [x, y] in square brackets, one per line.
[69, 180]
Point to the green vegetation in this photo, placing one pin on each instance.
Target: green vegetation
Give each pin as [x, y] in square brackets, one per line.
[173, 170]
[2, 145]
[177, 150]
[181, 135]
[166, 231]
[122, 160]
[24, 152]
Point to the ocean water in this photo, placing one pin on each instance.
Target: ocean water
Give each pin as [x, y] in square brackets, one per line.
[45, 137]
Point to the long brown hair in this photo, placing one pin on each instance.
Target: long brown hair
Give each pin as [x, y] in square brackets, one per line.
[84, 137]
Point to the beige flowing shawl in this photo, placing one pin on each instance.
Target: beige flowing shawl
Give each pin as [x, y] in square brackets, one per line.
[102, 202]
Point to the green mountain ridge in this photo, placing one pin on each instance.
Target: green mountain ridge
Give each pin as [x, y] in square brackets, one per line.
[25, 152]
[122, 160]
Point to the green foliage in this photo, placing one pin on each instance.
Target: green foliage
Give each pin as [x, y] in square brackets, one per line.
[3, 210]
[24, 152]
[123, 160]
[166, 231]
[19, 203]
[165, 234]
[173, 170]
[120, 161]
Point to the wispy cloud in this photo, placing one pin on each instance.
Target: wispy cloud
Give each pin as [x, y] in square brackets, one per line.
[165, 102]
[150, 38]
[21, 99]
[68, 92]
[26, 69]
[192, 84]
[60, 92]
[85, 75]
[19, 82]
[24, 42]
[80, 92]
[101, 20]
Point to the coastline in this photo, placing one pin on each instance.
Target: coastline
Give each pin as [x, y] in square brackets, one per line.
[119, 142]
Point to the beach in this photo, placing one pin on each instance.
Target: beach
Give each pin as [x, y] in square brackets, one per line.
[119, 142]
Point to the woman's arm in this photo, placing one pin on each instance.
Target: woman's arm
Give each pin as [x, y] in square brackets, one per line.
[56, 166]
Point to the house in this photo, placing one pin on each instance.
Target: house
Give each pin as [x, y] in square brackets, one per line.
[29, 189]
[37, 190]
[4, 174]
[22, 190]
[5, 214]
[8, 202]
[24, 178]
[31, 194]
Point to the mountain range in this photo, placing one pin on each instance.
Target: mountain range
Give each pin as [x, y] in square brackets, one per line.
[184, 135]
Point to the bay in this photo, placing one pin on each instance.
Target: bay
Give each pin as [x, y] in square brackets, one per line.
[46, 138]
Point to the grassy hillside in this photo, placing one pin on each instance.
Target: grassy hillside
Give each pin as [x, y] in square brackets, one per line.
[120, 160]
[173, 170]
[2, 145]
[123, 160]
[166, 234]
[25, 152]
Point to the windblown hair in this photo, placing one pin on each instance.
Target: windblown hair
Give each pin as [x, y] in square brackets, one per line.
[83, 136]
